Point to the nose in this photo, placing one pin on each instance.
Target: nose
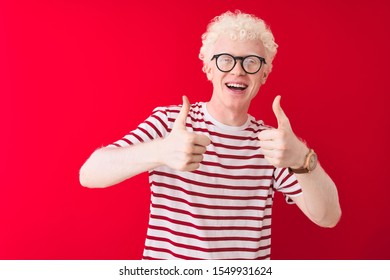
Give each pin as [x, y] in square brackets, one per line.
[238, 69]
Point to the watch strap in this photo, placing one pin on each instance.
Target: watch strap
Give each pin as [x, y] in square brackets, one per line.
[305, 168]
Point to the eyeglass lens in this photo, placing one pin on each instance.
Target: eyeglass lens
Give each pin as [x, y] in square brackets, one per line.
[226, 63]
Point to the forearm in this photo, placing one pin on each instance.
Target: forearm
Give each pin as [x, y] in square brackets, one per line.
[321, 202]
[111, 165]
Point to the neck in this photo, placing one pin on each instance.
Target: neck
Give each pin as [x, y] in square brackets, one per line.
[228, 115]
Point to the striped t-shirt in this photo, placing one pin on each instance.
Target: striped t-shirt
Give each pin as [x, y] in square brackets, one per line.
[221, 210]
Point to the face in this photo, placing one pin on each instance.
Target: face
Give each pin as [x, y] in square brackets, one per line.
[234, 90]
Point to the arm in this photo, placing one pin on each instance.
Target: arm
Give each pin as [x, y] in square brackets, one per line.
[319, 200]
[109, 166]
[180, 150]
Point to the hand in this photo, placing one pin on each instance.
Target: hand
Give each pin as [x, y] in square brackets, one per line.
[280, 146]
[183, 150]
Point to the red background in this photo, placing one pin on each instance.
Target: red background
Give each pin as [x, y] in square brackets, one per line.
[76, 75]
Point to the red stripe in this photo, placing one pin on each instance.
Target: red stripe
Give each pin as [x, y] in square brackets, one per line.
[200, 205]
[241, 167]
[161, 122]
[192, 193]
[127, 141]
[279, 175]
[256, 123]
[218, 228]
[150, 258]
[207, 185]
[194, 109]
[208, 217]
[294, 192]
[288, 176]
[150, 248]
[290, 185]
[146, 132]
[242, 138]
[154, 128]
[211, 153]
[254, 130]
[214, 239]
[202, 114]
[208, 250]
[193, 120]
[265, 257]
[163, 111]
[235, 147]
[160, 111]
[217, 134]
[136, 136]
[232, 177]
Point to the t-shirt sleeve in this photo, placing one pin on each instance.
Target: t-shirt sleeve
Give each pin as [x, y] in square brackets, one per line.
[154, 127]
[286, 183]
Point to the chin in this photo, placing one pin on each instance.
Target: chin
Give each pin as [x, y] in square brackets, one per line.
[237, 102]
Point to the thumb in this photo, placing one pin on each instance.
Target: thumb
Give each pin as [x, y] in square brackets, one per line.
[281, 117]
[180, 121]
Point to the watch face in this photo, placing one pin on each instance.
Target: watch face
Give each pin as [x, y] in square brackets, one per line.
[312, 162]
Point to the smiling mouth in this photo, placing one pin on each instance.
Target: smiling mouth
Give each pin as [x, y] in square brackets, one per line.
[236, 86]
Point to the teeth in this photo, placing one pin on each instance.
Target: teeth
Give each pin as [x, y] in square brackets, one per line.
[236, 85]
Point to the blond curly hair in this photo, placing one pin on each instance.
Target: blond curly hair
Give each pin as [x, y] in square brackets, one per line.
[238, 26]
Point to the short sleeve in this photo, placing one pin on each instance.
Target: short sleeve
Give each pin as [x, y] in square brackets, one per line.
[287, 183]
[154, 127]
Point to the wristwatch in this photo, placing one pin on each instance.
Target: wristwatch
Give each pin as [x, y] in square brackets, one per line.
[309, 165]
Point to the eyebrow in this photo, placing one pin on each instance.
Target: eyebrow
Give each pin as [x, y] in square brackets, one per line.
[261, 55]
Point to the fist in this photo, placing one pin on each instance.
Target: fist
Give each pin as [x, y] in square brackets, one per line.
[183, 149]
[280, 146]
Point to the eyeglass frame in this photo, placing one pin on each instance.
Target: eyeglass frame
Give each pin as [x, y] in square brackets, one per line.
[242, 58]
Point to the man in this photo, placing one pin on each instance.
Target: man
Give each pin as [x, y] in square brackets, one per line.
[214, 168]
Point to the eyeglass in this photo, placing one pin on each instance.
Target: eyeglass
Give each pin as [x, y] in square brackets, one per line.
[226, 62]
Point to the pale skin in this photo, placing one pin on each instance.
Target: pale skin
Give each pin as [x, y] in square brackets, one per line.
[319, 201]
[183, 150]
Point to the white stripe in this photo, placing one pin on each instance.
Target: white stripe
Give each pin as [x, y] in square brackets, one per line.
[212, 222]
[210, 233]
[223, 245]
[205, 211]
[203, 255]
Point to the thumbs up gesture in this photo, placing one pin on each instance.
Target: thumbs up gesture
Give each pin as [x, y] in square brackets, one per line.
[183, 150]
[280, 146]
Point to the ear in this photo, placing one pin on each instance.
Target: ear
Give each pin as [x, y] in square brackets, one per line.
[266, 72]
[264, 77]
[207, 69]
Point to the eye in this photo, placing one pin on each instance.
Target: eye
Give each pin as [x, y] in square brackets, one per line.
[226, 59]
[250, 61]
